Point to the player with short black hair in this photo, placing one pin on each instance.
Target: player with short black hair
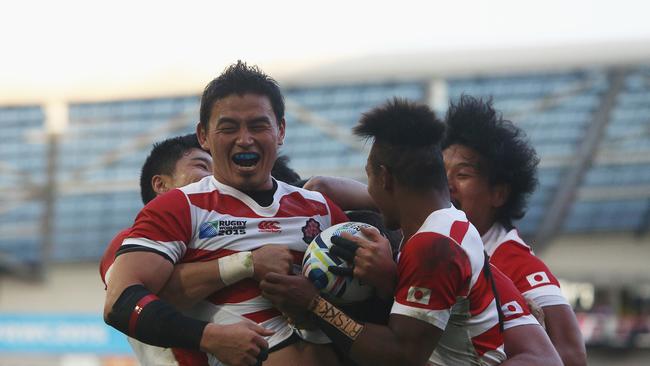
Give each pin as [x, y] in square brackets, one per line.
[225, 217]
[174, 163]
[239, 79]
[491, 169]
[445, 309]
[162, 161]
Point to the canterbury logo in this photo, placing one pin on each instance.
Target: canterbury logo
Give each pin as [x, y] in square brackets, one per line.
[269, 226]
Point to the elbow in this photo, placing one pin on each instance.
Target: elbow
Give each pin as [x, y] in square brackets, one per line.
[316, 183]
[107, 313]
[574, 357]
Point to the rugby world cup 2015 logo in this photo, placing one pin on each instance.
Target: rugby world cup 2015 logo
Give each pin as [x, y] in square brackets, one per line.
[209, 229]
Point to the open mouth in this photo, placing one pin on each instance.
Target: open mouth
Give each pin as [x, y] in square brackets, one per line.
[247, 159]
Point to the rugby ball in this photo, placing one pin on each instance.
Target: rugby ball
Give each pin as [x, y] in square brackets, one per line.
[338, 289]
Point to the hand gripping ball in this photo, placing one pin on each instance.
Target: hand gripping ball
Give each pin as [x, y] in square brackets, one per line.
[338, 289]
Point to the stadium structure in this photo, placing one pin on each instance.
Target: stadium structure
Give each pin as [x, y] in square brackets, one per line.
[64, 194]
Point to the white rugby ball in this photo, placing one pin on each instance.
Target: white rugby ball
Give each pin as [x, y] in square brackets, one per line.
[338, 289]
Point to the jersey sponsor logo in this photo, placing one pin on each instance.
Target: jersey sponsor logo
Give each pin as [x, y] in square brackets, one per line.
[211, 229]
[419, 295]
[311, 230]
[511, 308]
[269, 227]
[538, 278]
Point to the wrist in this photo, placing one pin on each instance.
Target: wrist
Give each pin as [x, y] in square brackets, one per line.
[337, 325]
[236, 267]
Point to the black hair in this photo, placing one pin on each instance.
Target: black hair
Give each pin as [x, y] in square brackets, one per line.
[240, 79]
[162, 160]
[510, 159]
[282, 172]
[407, 139]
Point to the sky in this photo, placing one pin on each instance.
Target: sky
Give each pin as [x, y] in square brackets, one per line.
[69, 49]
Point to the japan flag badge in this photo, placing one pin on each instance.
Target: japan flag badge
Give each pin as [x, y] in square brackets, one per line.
[512, 308]
[419, 295]
[537, 278]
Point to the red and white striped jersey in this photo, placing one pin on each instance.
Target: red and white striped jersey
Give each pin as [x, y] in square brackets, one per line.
[207, 220]
[145, 353]
[513, 305]
[515, 259]
[441, 281]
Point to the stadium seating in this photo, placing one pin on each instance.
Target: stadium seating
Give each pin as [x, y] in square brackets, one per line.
[105, 143]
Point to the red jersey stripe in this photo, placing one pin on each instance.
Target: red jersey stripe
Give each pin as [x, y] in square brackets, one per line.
[458, 230]
[478, 299]
[488, 340]
[262, 315]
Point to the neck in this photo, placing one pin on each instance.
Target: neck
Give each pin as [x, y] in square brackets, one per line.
[483, 226]
[415, 207]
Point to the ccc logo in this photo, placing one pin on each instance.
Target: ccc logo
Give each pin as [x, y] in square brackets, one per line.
[269, 226]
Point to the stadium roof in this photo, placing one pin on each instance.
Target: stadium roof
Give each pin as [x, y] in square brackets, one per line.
[475, 62]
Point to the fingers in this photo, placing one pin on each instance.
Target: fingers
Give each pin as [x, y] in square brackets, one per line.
[273, 277]
[263, 355]
[341, 271]
[342, 253]
[371, 232]
[263, 332]
[345, 243]
[269, 288]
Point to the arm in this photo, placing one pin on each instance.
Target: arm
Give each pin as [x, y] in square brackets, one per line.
[537, 283]
[347, 193]
[192, 282]
[525, 341]
[157, 240]
[430, 262]
[159, 324]
[562, 328]
[405, 341]
[528, 345]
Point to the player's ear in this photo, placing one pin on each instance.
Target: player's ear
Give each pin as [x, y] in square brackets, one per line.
[386, 178]
[160, 184]
[499, 194]
[281, 129]
[202, 136]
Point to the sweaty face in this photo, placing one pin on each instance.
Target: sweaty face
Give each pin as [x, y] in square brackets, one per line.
[192, 167]
[469, 186]
[243, 136]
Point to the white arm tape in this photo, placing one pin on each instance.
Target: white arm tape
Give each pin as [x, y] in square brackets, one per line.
[235, 267]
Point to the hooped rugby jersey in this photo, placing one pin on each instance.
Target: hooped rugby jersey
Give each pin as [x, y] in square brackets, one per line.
[513, 305]
[441, 281]
[207, 220]
[145, 353]
[515, 259]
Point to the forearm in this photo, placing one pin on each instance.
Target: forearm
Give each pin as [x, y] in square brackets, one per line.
[192, 282]
[347, 193]
[562, 328]
[378, 345]
[367, 344]
[528, 360]
[142, 315]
